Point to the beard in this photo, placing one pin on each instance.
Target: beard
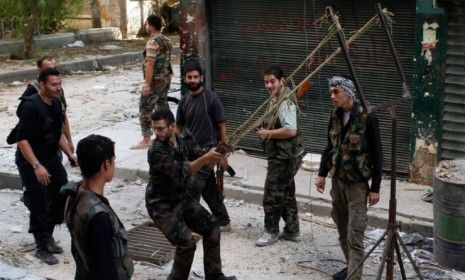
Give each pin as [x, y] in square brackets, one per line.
[193, 86]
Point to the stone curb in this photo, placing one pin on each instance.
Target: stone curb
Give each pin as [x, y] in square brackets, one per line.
[236, 189]
[58, 40]
[74, 66]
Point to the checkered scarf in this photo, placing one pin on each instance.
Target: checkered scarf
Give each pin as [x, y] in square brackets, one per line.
[345, 84]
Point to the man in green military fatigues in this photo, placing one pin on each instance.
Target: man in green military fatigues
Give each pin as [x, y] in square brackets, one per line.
[98, 238]
[173, 158]
[283, 147]
[157, 75]
[353, 156]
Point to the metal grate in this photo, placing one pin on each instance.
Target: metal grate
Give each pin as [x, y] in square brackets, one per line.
[147, 243]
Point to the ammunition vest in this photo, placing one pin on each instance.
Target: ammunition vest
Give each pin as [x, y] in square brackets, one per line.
[81, 206]
[349, 153]
[284, 148]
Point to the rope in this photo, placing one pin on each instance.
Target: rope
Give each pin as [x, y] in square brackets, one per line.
[271, 114]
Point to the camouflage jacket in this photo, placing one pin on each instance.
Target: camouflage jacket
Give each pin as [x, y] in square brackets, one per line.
[169, 169]
[162, 67]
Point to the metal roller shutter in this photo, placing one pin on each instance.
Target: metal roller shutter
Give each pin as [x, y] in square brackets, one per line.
[247, 36]
[453, 123]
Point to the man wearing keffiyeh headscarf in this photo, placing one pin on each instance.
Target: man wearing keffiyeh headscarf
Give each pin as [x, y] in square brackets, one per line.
[353, 155]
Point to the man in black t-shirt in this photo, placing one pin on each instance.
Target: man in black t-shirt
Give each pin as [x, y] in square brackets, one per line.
[202, 113]
[39, 137]
[34, 88]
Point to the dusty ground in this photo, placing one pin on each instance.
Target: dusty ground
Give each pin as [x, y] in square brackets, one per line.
[89, 51]
[98, 99]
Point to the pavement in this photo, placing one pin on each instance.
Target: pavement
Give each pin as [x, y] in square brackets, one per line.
[413, 214]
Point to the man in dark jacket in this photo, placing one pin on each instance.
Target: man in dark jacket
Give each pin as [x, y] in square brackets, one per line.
[172, 159]
[39, 136]
[353, 156]
[98, 238]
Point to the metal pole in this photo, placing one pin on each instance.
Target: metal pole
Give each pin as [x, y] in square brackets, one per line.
[406, 90]
[345, 52]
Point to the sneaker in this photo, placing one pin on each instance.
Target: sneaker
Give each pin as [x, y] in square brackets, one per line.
[45, 256]
[341, 275]
[294, 237]
[226, 228]
[267, 239]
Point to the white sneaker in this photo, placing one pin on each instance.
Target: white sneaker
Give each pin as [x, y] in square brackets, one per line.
[267, 239]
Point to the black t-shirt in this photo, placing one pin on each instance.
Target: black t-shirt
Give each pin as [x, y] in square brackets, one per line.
[100, 233]
[41, 125]
[33, 88]
[201, 114]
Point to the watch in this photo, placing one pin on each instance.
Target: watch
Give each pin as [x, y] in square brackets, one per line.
[36, 165]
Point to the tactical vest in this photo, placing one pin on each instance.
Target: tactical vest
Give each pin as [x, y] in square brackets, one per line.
[284, 148]
[81, 206]
[162, 70]
[349, 153]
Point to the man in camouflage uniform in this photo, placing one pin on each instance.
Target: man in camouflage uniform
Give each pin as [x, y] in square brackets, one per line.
[283, 148]
[353, 156]
[98, 238]
[157, 75]
[173, 158]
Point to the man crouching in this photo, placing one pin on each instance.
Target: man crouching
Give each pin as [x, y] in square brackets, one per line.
[173, 158]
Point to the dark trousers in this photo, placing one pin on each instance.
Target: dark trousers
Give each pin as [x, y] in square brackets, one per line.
[45, 203]
[177, 222]
[203, 183]
[349, 215]
[279, 199]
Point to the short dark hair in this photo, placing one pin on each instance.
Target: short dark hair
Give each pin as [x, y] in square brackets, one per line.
[92, 151]
[41, 60]
[163, 114]
[275, 70]
[48, 72]
[192, 66]
[155, 21]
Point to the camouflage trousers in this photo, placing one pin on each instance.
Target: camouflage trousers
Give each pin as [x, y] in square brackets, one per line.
[279, 198]
[177, 222]
[349, 215]
[203, 184]
[148, 104]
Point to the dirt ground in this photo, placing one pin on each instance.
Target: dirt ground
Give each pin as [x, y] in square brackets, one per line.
[89, 51]
[98, 99]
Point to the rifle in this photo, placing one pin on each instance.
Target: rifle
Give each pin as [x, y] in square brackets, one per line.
[223, 149]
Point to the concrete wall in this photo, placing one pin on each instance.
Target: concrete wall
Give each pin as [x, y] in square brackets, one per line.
[110, 12]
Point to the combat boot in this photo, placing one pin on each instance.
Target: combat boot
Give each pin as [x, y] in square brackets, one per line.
[294, 237]
[52, 246]
[42, 253]
[341, 275]
[219, 276]
[45, 256]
